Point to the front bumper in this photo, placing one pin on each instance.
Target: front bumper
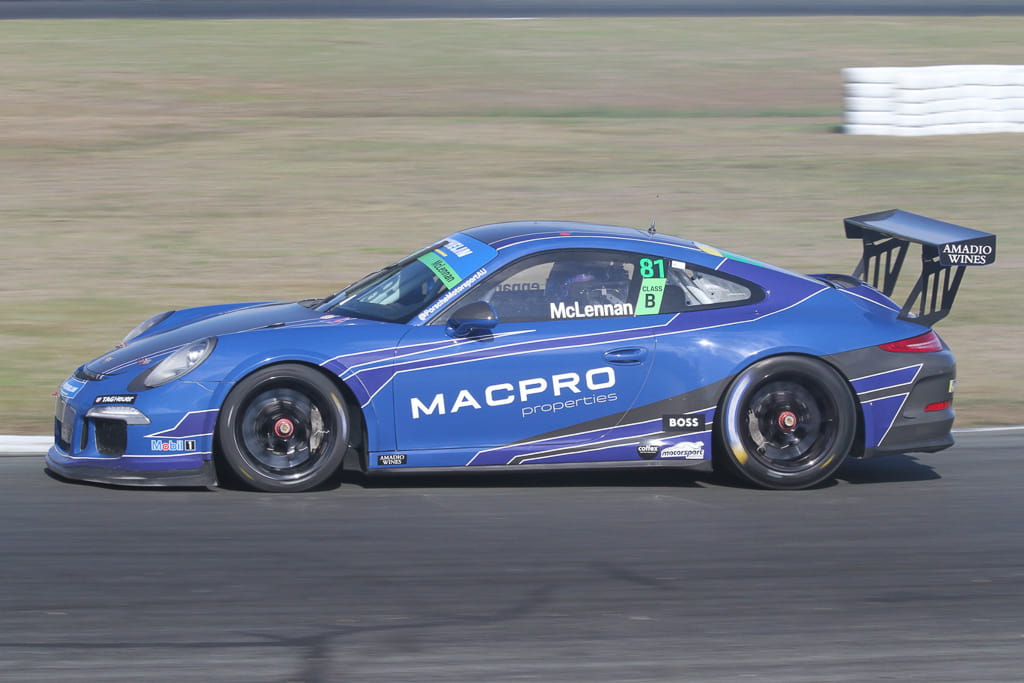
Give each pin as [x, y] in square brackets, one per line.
[160, 437]
[126, 473]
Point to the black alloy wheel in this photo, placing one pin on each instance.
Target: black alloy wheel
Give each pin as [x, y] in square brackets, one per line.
[284, 428]
[787, 422]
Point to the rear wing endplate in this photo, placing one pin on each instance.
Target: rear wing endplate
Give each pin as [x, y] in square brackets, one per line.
[946, 250]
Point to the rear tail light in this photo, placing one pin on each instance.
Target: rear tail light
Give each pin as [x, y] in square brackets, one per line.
[936, 407]
[928, 342]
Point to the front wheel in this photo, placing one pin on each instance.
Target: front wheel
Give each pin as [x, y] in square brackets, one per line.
[787, 423]
[284, 428]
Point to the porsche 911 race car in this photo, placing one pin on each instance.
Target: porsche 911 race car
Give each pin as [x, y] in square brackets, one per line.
[539, 344]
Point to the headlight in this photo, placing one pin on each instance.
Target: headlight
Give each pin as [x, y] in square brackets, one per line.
[180, 362]
[145, 325]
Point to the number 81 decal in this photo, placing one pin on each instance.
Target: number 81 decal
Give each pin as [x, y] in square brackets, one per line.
[652, 287]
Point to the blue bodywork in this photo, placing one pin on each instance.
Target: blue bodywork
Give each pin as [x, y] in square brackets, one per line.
[583, 390]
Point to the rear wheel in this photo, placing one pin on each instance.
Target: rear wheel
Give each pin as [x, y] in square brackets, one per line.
[284, 428]
[787, 423]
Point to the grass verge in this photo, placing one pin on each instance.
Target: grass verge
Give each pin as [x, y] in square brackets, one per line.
[156, 165]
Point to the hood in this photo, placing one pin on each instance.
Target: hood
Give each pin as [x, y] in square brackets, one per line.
[156, 346]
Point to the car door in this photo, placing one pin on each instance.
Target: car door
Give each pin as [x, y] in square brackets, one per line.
[563, 365]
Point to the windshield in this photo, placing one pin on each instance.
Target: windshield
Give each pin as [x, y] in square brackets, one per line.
[400, 291]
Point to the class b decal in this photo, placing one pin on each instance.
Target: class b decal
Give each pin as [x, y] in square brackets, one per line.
[563, 385]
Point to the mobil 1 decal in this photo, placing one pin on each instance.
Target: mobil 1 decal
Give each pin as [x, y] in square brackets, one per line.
[652, 286]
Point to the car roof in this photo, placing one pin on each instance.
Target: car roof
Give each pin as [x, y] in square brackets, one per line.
[503, 234]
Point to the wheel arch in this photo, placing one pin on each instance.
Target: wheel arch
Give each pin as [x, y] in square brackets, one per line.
[858, 444]
[721, 449]
[358, 436]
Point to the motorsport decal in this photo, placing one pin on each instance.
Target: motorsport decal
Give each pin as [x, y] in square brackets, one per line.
[979, 251]
[687, 450]
[507, 393]
[177, 445]
[115, 399]
[684, 450]
[683, 423]
[391, 459]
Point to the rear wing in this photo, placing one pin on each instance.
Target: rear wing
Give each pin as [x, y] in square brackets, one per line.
[946, 250]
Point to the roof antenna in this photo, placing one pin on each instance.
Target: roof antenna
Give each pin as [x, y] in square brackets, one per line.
[651, 230]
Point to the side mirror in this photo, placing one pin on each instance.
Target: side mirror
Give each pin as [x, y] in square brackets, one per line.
[472, 319]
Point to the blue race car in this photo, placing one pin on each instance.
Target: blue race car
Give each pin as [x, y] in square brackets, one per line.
[538, 344]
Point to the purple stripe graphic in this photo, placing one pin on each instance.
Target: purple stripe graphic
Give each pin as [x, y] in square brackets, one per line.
[885, 380]
[196, 423]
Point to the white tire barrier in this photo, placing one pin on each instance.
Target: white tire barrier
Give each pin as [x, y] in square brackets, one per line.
[934, 100]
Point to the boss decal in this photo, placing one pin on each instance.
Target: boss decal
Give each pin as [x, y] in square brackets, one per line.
[172, 445]
[683, 423]
[119, 399]
[391, 459]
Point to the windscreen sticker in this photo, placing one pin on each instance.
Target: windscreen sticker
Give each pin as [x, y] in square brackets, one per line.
[652, 286]
[456, 259]
[441, 269]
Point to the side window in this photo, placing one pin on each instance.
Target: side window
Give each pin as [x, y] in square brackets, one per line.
[576, 284]
[562, 285]
[691, 287]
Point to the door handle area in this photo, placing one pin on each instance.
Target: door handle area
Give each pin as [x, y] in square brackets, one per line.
[633, 355]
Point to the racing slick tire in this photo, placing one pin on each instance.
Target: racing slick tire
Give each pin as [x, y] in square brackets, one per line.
[284, 428]
[786, 422]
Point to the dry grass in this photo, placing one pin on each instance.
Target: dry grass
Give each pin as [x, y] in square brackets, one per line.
[155, 165]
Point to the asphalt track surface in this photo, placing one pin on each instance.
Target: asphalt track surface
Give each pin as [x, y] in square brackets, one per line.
[905, 568]
[212, 9]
